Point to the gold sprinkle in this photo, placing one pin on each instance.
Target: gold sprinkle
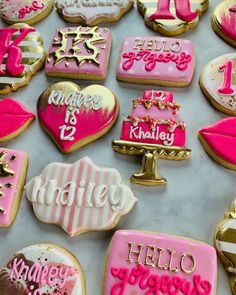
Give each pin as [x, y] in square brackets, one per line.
[2, 211]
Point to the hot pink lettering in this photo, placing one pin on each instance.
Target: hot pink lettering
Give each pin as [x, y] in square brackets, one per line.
[14, 53]
[183, 11]
[28, 9]
[227, 69]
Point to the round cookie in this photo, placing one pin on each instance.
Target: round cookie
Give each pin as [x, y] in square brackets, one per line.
[93, 12]
[42, 269]
[25, 11]
[172, 18]
[224, 21]
[218, 83]
[219, 141]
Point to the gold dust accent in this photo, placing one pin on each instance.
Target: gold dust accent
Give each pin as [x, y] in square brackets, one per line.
[151, 153]
[89, 38]
[4, 166]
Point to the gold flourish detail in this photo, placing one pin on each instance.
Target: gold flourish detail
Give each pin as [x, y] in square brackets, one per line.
[4, 166]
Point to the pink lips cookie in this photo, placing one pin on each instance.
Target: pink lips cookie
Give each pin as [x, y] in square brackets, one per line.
[74, 117]
[79, 53]
[152, 263]
[14, 119]
[13, 167]
[156, 60]
[219, 141]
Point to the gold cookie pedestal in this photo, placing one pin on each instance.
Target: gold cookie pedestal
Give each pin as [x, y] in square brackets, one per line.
[149, 173]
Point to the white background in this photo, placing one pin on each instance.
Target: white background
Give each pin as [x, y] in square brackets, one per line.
[198, 192]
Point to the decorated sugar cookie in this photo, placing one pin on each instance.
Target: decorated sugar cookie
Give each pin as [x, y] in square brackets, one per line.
[219, 141]
[13, 168]
[79, 53]
[92, 13]
[218, 83]
[25, 11]
[225, 239]
[42, 269]
[156, 60]
[80, 197]
[21, 56]
[14, 119]
[172, 17]
[224, 21]
[155, 131]
[74, 117]
[154, 263]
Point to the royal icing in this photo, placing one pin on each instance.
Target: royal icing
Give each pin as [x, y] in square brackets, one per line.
[21, 55]
[12, 173]
[23, 10]
[225, 237]
[92, 12]
[154, 120]
[219, 141]
[153, 263]
[156, 60]
[172, 17]
[14, 118]
[79, 197]
[224, 19]
[42, 269]
[75, 117]
[218, 82]
[79, 52]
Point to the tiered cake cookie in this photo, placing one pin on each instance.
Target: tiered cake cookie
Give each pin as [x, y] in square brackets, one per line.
[155, 120]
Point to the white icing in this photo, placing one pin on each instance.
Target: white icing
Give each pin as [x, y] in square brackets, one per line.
[226, 247]
[90, 10]
[79, 190]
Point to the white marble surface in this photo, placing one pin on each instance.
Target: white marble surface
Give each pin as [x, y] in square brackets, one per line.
[198, 193]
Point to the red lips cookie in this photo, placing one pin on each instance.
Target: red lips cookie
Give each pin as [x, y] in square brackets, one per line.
[74, 117]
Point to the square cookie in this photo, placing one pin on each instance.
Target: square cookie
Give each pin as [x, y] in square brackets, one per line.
[79, 53]
[156, 60]
[153, 263]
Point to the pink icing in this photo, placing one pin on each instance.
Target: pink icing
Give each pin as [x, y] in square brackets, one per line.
[149, 123]
[13, 115]
[166, 265]
[156, 58]
[14, 53]
[8, 198]
[183, 11]
[29, 9]
[226, 88]
[86, 68]
[228, 22]
[221, 139]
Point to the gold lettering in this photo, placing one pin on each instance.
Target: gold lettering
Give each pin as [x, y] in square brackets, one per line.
[165, 47]
[165, 266]
[175, 46]
[172, 254]
[139, 44]
[192, 268]
[149, 45]
[135, 252]
[150, 258]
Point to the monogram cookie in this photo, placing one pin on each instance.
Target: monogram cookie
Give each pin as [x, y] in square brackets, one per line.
[80, 197]
[153, 263]
[218, 83]
[93, 12]
[172, 17]
[155, 60]
[21, 56]
[79, 53]
[42, 269]
[13, 167]
[224, 21]
[14, 119]
[25, 11]
[74, 117]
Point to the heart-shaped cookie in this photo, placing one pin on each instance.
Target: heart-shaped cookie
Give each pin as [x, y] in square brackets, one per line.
[75, 117]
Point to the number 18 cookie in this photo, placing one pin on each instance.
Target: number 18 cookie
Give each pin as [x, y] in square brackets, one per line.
[93, 12]
[172, 17]
[218, 83]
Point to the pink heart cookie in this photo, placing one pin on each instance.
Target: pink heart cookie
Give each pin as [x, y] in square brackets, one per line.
[152, 263]
[156, 60]
[75, 117]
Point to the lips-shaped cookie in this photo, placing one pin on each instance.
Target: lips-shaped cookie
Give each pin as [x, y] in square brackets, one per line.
[75, 117]
[14, 119]
[219, 141]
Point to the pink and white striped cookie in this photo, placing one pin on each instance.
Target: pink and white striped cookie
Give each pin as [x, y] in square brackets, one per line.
[80, 197]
